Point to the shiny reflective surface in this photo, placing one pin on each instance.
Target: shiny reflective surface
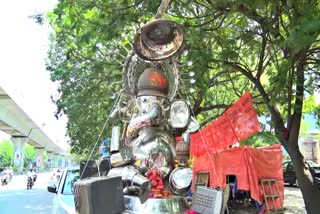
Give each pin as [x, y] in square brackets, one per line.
[153, 149]
[159, 39]
[174, 205]
[179, 114]
[132, 181]
[180, 180]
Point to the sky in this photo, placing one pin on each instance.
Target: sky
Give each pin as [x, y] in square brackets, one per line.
[23, 49]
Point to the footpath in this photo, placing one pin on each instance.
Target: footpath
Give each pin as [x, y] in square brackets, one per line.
[293, 203]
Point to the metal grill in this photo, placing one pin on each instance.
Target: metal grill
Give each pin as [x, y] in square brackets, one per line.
[207, 201]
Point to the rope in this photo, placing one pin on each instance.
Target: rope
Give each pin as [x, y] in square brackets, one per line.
[206, 147]
[103, 128]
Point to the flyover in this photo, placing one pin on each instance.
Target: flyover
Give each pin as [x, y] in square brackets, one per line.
[15, 122]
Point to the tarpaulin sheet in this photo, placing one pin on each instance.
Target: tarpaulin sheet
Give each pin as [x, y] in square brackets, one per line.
[237, 123]
[248, 164]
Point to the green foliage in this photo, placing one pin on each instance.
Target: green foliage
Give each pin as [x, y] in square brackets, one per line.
[235, 46]
[304, 128]
[79, 157]
[30, 155]
[44, 159]
[316, 114]
[6, 153]
[309, 104]
[267, 47]
[16, 169]
[260, 139]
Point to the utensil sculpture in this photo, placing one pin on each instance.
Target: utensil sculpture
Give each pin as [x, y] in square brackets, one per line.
[145, 151]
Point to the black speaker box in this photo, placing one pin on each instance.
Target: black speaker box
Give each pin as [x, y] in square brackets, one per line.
[88, 168]
[104, 167]
[99, 195]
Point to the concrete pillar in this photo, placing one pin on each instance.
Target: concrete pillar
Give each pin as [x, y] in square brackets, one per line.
[56, 160]
[50, 159]
[63, 161]
[39, 152]
[18, 159]
[68, 161]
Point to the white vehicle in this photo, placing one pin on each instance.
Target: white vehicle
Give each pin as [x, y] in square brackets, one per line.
[63, 201]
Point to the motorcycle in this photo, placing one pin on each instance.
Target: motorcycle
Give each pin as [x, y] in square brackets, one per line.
[30, 182]
[5, 179]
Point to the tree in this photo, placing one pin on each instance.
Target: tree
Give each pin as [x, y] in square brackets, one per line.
[6, 153]
[317, 115]
[275, 46]
[262, 138]
[30, 155]
[268, 47]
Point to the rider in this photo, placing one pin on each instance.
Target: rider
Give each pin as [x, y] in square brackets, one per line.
[34, 174]
[29, 179]
[29, 173]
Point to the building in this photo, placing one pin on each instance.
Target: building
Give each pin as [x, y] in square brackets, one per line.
[310, 146]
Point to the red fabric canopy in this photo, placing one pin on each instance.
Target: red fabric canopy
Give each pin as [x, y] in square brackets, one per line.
[248, 164]
[237, 123]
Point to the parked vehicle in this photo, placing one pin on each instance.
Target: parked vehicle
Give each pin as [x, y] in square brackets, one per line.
[315, 167]
[289, 175]
[317, 179]
[63, 201]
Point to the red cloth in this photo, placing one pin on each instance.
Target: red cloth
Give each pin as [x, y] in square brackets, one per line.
[237, 123]
[248, 164]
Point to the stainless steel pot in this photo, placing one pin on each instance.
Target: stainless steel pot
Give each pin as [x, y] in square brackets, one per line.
[180, 180]
[153, 149]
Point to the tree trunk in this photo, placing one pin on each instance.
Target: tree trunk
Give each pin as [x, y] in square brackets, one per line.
[308, 186]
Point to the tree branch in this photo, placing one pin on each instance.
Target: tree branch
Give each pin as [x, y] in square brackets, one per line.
[262, 54]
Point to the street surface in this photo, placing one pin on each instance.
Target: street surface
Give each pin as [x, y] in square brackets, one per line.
[16, 199]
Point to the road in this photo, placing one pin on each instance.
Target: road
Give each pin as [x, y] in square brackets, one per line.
[16, 199]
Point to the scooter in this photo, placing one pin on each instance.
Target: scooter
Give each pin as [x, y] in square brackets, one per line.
[30, 182]
[5, 179]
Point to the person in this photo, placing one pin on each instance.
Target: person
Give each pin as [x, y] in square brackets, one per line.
[29, 173]
[58, 175]
[34, 174]
[29, 179]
